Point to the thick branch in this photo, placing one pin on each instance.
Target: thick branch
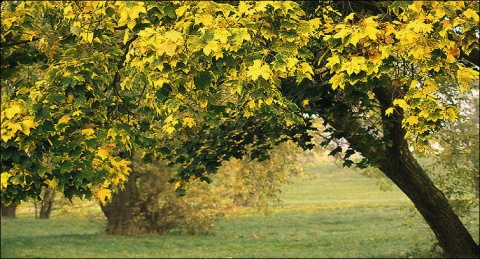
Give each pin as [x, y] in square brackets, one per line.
[473, 58]
[6, 45]
[11, 44]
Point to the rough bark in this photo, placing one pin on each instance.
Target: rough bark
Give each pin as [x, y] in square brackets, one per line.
[403, 169]
[134, 212]
[122, 211]
[392, 156]
[47, 203]
[9, 211]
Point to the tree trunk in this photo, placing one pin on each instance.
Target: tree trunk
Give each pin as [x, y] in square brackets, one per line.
[9, 211]
[47, 203]
[403, 169]
[392, 156]
[451, 234]
[250, 200]
[132, 213]
[123, 213]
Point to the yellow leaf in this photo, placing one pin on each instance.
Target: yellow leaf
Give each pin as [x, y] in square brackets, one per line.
[257, 70]
[88, 36]
[131, 24]
[306, 68]
[424, 114]
[269, 100]
[103, 195]
[205, 19]
[203, 104]
[471, 14]
[69, 98]
[174, 36]
[389, 111]
[7, 136]
[68, 12]
[401, 103]
[332, 61]
[5, 177]
[211, 46]
[103, 153]
[222, 35]
[418, 52]
[337, 81]
[167, 47]
[466, 76]
[356, 65]
[189, 122]
[134, 11]
[8, 22]
[305, 102]
[77, 113]
[14, 126]
[181, 10]
[169, 129]
[451, 114]
[12, 111]
[251, 104]
[27, 125]
[88, 132]
[419, 26]
[355, 37]
[343, 33]
[370, 27]
[64, 119]
[52, 183]
[291, 62]
[412, 120]
[315, 23]
[125, 37]
[413, 84]
[349, 17]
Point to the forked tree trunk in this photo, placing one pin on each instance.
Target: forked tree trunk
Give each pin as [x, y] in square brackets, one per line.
[9, 211]
[47, 203]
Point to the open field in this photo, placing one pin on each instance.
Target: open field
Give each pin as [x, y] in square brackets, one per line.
[331, 212]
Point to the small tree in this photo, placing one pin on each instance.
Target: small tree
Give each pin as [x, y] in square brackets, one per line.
[456, 166]
[46, 202]
[148, 203]
[9, 211]
[256, 183]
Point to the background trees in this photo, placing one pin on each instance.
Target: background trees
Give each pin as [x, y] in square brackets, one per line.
[201, 83]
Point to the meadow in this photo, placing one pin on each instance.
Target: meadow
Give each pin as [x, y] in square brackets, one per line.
[332, 212]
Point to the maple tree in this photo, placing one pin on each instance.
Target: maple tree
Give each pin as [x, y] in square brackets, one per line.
[85, 85]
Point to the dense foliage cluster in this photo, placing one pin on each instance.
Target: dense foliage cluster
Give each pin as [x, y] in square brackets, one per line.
[87, 85]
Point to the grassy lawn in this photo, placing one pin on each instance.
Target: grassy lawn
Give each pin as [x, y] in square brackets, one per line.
[332, 212]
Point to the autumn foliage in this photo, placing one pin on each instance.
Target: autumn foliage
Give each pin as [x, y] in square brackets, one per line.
[86, 85]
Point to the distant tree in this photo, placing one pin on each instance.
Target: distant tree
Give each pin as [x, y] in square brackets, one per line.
[9, 211]
[456, 167]
[252, 183]
[46, 203]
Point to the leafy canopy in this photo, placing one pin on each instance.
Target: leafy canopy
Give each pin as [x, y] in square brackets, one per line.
[85, 84]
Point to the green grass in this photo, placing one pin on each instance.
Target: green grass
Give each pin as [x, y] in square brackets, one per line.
[333, 212]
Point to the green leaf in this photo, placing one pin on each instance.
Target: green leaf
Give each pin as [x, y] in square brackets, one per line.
[66, 166]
